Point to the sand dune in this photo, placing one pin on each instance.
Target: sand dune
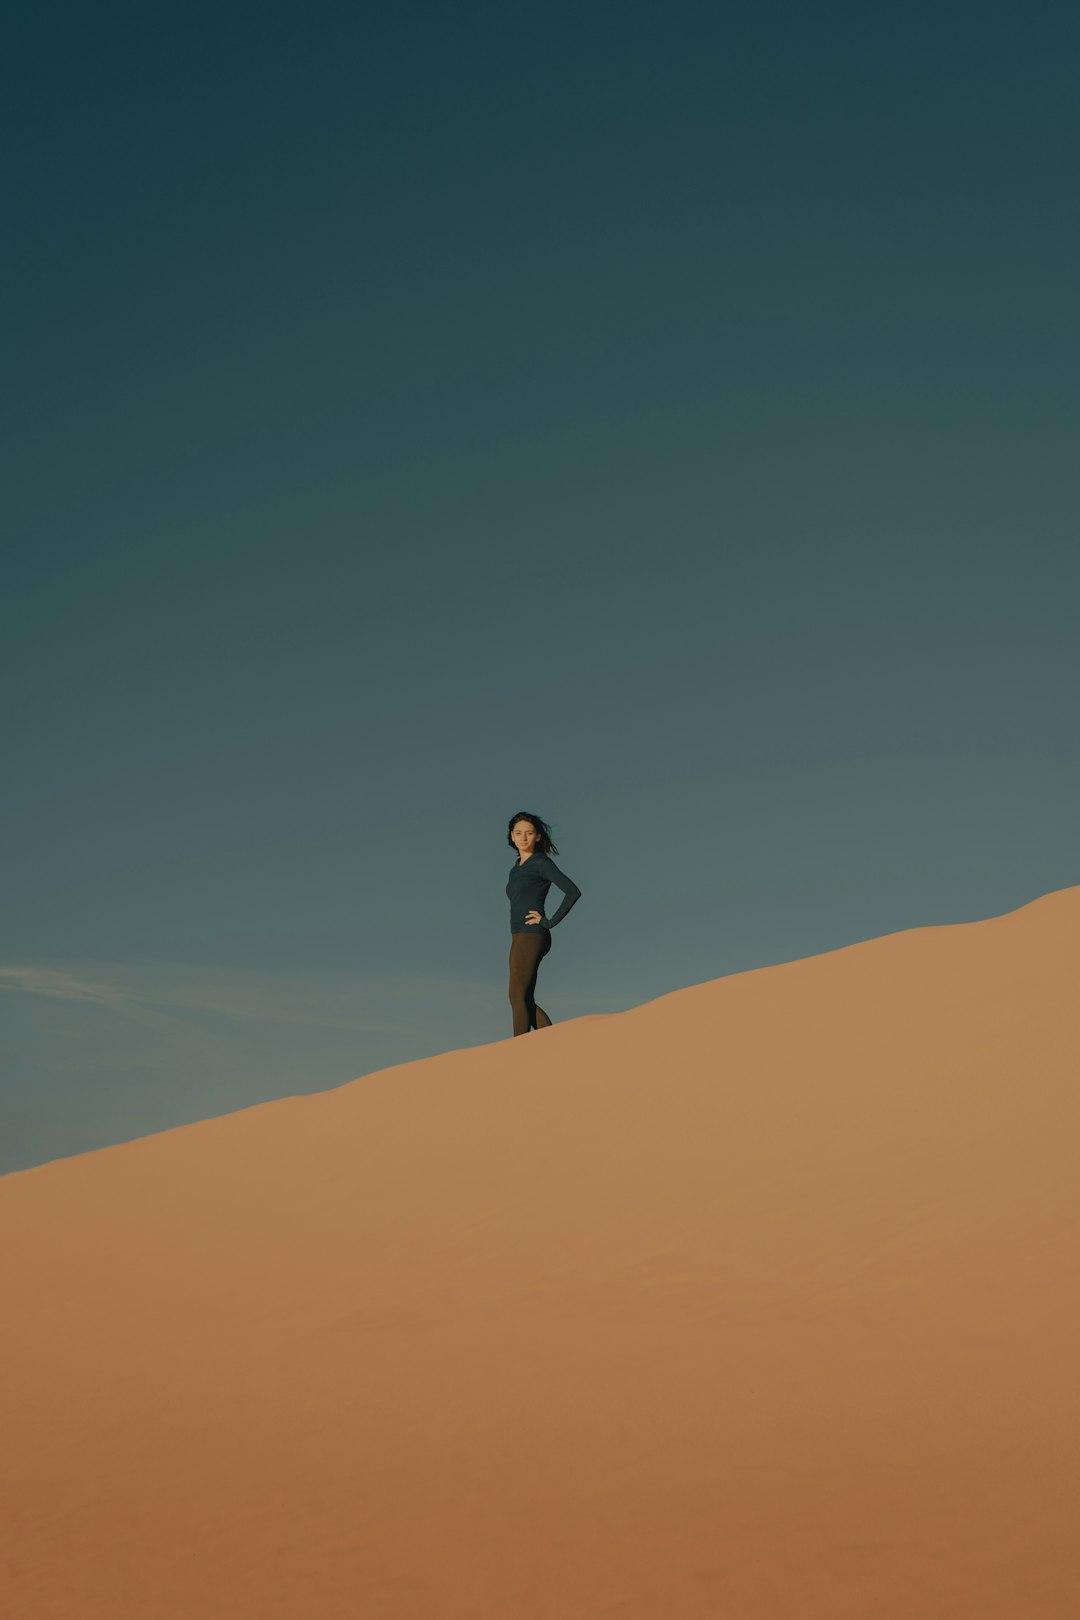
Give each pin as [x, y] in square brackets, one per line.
[757, 1302]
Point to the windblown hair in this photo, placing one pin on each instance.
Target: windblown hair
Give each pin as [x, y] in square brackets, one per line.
[545, 844]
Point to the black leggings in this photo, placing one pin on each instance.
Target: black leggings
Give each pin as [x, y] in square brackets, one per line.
[527, 951]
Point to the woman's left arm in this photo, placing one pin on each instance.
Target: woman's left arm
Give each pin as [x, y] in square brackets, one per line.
[571, 892]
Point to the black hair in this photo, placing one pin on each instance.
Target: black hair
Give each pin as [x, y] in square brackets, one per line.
[546, 844]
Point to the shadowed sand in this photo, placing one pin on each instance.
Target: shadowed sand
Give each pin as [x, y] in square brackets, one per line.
[757, 1302]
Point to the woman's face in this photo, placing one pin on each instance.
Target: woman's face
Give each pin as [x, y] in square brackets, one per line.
[525, 836]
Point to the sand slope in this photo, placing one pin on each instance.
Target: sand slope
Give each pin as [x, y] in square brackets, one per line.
[758, 1301]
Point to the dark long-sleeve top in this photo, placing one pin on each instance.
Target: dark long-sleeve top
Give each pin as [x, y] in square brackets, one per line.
[528, 886]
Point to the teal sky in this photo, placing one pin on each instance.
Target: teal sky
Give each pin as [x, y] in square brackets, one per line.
[662, 418]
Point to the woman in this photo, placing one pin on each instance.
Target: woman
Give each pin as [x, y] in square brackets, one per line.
[531, 876]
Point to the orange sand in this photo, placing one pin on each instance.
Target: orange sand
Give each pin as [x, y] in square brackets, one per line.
[757, 1302]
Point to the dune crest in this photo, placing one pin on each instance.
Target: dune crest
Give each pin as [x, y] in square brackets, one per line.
[756, 1301]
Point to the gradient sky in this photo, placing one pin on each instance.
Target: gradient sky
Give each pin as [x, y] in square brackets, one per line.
[660, 418]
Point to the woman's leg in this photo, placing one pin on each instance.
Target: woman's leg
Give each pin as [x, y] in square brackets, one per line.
[527, 951]
[540, 1017]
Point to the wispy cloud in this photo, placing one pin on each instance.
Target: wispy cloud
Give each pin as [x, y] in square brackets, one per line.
[385, 1004]
[35, 980]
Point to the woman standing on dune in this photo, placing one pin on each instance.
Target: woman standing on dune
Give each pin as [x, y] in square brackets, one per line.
[531, 876]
